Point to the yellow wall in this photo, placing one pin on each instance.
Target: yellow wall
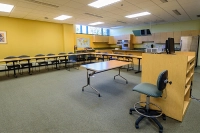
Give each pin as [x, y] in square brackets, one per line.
[30, 37]
[169, 27]
[93, 45]
[68, 37]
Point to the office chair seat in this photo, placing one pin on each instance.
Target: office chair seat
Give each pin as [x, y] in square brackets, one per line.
[148, 89]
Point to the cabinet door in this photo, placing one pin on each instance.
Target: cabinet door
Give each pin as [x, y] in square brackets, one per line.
[111, 40]
[194, 32]
[177, 36]
[137, 39]
[105, 38]
[150, 38]
[157, 37]
[185, 33]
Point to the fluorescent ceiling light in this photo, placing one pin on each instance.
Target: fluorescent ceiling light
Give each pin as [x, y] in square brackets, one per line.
[138, 15]
[116, 27]
[96, 23]
[62, 17]
[6, 7]
[101, 3]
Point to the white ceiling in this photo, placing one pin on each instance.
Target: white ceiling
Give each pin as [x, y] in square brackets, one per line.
[112, 15]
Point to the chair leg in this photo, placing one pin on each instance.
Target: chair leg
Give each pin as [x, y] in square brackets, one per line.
[138, 121]
[158, 123]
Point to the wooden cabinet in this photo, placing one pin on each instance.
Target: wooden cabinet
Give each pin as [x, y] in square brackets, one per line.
[98, 38]
[162, 36]
[112, 40]
[157, 37]
[190, 33]
[137, 40]
[176, 97]
[177, 36]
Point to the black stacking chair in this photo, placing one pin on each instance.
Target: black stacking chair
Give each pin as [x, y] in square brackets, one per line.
[101, 57]
[9, 64]
[41, 61]
[129, 59]
[63, 60]
[25, 64]
[91, 57]
[114, 57]
[81, 58]
[72, 59]
[151, 90]
[52, 60]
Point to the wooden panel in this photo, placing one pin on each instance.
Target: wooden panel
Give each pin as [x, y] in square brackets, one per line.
[174, 96]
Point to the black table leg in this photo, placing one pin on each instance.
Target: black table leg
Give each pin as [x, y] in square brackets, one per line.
[88, 84]
[138, 66]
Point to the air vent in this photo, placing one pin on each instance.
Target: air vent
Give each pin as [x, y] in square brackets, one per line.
[163, 1]
[198, 15]
[42, 3]
[94, 15]
[121, 22]
[176, 12]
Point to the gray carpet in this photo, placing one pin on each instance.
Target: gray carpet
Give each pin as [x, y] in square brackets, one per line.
[53, 102]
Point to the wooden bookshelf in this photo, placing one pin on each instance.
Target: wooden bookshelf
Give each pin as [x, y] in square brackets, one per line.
[176, 97]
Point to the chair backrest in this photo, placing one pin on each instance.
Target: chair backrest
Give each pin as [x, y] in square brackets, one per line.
[61, 53]
[50, 54]
[39, 55]
[162, 80]
[10, 57]
[24, 56]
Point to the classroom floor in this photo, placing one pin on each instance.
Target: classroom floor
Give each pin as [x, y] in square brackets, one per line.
[53, 102]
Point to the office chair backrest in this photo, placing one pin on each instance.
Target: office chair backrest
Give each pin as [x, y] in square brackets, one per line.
[162, 80]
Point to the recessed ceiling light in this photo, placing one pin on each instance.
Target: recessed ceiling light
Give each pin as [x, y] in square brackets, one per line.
[138, 15]
[101, 3]
[6, 7]
[96, 23]
[62, 17]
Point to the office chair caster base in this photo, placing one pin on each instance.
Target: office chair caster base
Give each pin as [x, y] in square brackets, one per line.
[136, 126]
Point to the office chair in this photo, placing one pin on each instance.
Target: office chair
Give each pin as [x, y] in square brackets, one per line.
[10, 65]
[151, 90]
[41, 61]
[24, 64]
